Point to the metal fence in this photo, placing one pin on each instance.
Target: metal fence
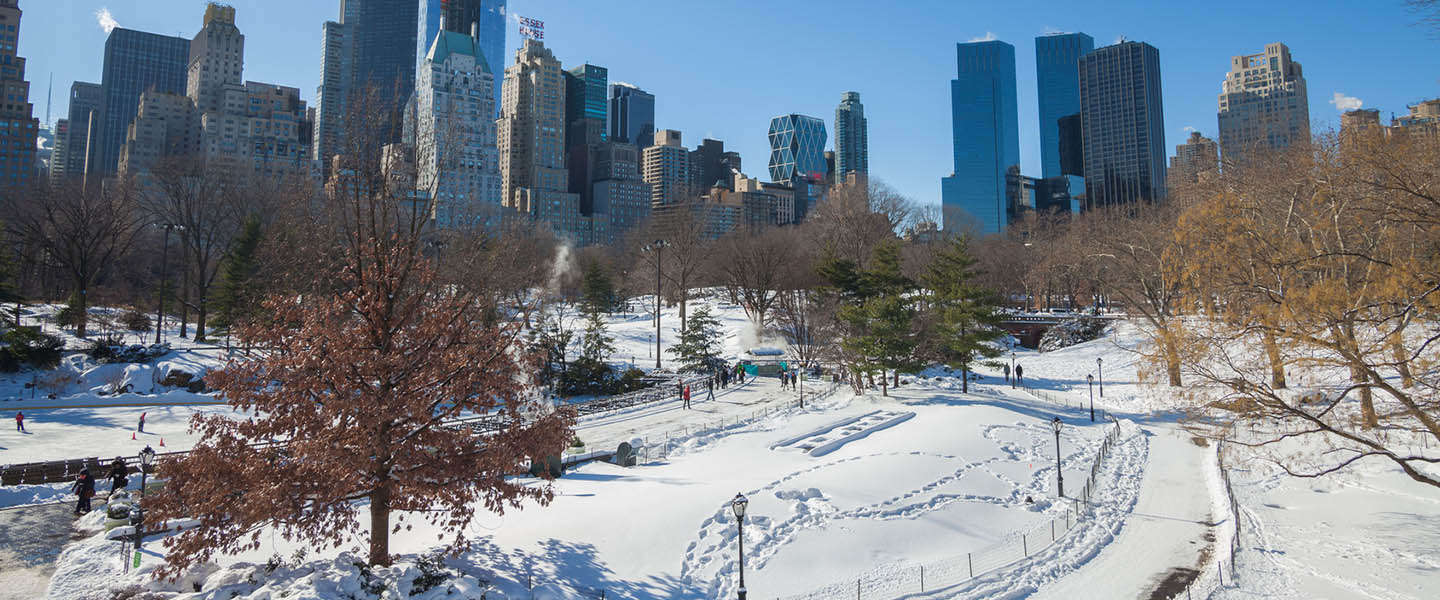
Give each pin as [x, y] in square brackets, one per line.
[894, 581]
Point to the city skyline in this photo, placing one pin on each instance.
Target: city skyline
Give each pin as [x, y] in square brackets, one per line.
[907, 107]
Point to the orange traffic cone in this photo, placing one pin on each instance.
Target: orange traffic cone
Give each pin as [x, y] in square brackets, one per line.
[162, 442]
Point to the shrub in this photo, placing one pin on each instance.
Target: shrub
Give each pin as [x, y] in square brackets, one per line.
[135, 320]
[29, 345]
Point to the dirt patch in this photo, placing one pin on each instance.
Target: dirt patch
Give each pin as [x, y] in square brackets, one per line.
[1173, 583]
[1199, 441]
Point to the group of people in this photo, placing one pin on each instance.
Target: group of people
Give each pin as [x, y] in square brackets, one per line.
[84, 486]
[789, 379]
[1019, 378]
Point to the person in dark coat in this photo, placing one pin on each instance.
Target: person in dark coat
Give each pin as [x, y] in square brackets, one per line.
[119, 475]
[84, 489]
[1020, 375]
[710, 389]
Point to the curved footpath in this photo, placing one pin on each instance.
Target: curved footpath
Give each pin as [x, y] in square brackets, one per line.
[1167, 538]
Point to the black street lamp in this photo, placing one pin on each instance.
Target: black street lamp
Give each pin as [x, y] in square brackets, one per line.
[738, 506]
[164, 256]
[137, 515]
[1090, 379]
[656, 247]
[1013, 374]
[1099, 368]
[1059, 474]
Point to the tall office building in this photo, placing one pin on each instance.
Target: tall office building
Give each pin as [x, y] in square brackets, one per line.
[797, 146]
[586, 106]
[217, 60]
[456, 159]
[17, 154]
[531, 137]
[1057, 87]
[370, 50]
[1123, 124]
[135, 62]
[621, 197]
[1194, 160]
[711, 165]
[852, 138]
[58, 159]
[666, 167]
[632, 115]
[985, 131]
[1263, 104]
[73, 152]
[458, 16]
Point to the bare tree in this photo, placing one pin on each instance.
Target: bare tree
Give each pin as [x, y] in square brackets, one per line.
[753, 267]
[82, 230]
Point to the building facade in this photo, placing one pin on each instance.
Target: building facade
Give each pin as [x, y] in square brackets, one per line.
[488, 20]
[985, 132]
[586, 107]
[621, 197]
[371, 50]
[217, 60]
[164, 125]
[1123, 124]
[18, 125]
[632, 115]
[135, 62]
[1263, 104]
[72, 147]
[1195, 160]
[457, 163]
[1057, 76]
[665, 165]
[711, 165]
[852, 137]
[797, 146]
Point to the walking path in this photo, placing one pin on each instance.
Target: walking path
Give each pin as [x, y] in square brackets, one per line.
[30, 541]
[1167, 537]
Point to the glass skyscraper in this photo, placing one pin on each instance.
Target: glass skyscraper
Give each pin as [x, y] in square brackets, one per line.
[1057, 87]
[489, 15]
[1122, 122]
[135, 62]
[385, 32]
[985, 130]
[632, 115]
[797, 143]
[852, 141]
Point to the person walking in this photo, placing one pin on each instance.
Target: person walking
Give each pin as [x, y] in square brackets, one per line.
[119, 475]
[686, 395]
[141, 427]
[84, 489]
[19, 421]
[710, 389]
[1020, 375]
[1007, 373]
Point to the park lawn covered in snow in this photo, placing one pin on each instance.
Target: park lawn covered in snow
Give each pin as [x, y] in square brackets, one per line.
[963, 466]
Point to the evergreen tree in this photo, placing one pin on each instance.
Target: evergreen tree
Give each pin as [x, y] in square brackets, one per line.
[699, 347]
[9, 292]
[966, 317]
[596, 345]
[879, 313]
[597, 288]
[237, 294]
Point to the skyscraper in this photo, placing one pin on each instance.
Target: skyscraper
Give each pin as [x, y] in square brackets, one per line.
[985, 130]
[531, 138]
[632, 115]
[1057, 87]
[135, 62]
[85, 102]
[217, 60]
[1198, 157]
[711, 164]
[458, 16]
[585, 108]
[457, 163]
[852, 140]
[666, 167]
[1123, 124]
[18, 137]
[371, 49]
[797, 145]
[1263, 103]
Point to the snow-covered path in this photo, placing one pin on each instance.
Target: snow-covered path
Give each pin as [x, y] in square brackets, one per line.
[30, 540]
[1170, 528]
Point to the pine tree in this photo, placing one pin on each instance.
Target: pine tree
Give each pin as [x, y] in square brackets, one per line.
[699, 347]
[878, 312]
[967, 320]
[237, 293]
[596, 345]
[598, 291]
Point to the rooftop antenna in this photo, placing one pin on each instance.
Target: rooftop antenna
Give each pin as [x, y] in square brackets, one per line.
[49, 96]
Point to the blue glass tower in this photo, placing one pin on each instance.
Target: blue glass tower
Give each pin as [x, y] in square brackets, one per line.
[986, 133]
[135, 61]
[488, 15]
[1057, 86]
[1122, 123]
[632, 115]
[797, 143]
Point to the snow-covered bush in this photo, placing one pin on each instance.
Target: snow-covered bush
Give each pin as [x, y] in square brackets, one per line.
[21, 346]
[1074, 331]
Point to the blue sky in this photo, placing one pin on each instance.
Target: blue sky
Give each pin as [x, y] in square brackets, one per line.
[722, 68]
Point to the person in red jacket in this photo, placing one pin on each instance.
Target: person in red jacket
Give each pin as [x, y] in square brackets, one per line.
[687, 396]
[20, 421]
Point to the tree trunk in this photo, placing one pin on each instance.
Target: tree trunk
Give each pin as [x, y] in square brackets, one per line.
[380, 526]
[965, 379]
[200, 309]
[1397, 352]
[184, 296]
[871, 376]
[884, 391]
[1277, 363]
[83, 310]
[1172, 358]
[897, 378]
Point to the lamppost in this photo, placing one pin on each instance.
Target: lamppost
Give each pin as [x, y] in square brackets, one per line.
[1090, 379]
[1013, 374]
[164, 256]
[1059, 474]
[656, 247]
[738, 506]
[1099, 368]
[137, 515]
